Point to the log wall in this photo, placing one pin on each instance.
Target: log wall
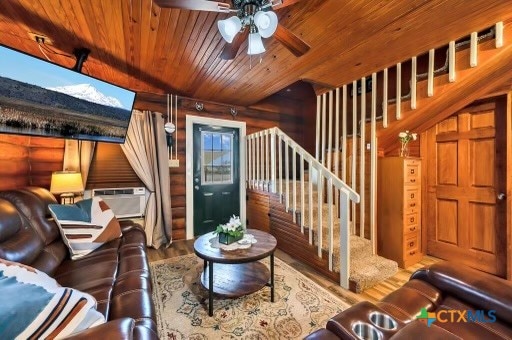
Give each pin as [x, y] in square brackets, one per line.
[26, 160]
[288, 116]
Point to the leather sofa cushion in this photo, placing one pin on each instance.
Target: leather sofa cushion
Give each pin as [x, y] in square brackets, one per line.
[18, 242]
[481, 290]
[406, 303]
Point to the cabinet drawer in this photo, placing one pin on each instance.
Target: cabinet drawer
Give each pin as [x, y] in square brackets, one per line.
[411, 175]
[411, 206]
[411, 244]
[411, 229]
[411, 220]
[411, 194]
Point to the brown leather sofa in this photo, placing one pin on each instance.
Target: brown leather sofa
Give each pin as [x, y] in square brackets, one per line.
[116, 274]
[448, 289]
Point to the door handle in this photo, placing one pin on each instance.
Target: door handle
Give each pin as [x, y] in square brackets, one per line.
[196, 187]
[501, 196]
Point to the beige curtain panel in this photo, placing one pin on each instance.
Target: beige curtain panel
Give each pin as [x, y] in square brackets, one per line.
[78, 157]
[146, 150]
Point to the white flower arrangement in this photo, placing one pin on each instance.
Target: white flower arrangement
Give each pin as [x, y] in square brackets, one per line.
[234, 227]
[405, 137]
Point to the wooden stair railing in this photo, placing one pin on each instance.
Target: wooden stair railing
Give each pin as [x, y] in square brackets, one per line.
[269, 154]
[472, 73]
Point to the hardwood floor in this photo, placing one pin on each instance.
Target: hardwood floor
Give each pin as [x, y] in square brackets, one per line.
[373, 294]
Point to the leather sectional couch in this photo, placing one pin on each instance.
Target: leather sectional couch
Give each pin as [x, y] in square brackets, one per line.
[116, 274]
[463, 304]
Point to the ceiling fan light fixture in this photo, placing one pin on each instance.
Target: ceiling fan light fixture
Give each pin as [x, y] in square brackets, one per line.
[255, 44]
[229, 27]
[266, 22]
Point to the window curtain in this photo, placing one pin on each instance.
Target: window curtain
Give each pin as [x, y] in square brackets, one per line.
[146, 150]
[78, 157]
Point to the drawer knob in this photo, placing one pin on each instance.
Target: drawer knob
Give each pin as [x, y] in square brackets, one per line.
[413, 180]
[412, 195]
[412, 252]
[411, 219]
[412, 205]
[411, 244]
[412, 228]
[412, 171]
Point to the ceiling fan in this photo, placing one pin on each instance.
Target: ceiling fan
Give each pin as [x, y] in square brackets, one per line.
[254, 19]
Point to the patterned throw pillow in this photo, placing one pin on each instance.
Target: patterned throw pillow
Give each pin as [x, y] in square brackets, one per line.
[34, 306]
[85, 225]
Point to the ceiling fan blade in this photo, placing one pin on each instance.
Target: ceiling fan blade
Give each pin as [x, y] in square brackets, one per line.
[197, 5]
[292, 42]
[285, 3]
[230, 50]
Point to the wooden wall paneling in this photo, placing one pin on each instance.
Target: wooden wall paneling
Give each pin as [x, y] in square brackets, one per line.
[255, 119]
[508, 201]
[258, 210]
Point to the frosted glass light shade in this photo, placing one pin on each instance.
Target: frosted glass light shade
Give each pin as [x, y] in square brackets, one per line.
[66, 182]
[228, 28]
[266, 22]
[255, 44]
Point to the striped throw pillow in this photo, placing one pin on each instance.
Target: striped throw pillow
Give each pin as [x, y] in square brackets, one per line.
[85, 225]
[34, 306]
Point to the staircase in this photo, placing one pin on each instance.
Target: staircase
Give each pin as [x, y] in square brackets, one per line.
[331, 237]
[366, 268]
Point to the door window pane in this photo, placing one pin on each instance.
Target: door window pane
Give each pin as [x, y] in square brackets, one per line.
[217, 158]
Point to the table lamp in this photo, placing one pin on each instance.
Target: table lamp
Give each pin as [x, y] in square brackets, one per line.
[66, 183]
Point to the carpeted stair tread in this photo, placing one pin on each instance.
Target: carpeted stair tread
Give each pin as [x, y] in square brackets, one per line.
[366, 269]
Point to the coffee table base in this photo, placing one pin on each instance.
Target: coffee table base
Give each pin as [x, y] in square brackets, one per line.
[235, 280]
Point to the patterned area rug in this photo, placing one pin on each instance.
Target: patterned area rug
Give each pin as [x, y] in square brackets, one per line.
[300, 307]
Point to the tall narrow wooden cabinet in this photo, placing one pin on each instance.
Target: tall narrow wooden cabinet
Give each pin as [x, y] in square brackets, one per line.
[399, 210]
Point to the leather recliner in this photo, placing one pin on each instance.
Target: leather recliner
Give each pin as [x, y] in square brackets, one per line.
[461, 302]
[116, 274]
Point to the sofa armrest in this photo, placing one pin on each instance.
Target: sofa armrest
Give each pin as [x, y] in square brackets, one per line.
[115, 329]
[482, 290]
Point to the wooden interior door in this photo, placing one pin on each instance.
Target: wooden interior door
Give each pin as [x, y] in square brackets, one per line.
[466, 169]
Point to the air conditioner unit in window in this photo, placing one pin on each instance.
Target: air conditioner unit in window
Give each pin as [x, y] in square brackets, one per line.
[124, 202]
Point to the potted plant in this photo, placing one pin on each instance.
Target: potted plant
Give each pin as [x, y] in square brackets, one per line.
[230, 232]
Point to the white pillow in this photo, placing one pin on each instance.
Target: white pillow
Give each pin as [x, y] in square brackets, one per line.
[33, 305]
[85, 225]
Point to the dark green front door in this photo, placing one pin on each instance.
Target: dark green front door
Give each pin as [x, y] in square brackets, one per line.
[216, 176]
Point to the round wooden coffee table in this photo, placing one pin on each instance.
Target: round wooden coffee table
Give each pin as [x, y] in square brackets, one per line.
[237, 272]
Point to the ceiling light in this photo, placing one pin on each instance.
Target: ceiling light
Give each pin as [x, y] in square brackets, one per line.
[266, 22]
[228, 28]
[255, 44]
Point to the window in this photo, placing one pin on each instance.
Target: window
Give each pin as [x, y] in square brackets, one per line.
[216, 157]
[111, 169]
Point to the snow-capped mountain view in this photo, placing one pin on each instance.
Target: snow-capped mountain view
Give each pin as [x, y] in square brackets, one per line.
[89, 93]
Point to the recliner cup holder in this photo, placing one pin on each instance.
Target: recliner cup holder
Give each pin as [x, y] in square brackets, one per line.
[383, 321]
[366, 331]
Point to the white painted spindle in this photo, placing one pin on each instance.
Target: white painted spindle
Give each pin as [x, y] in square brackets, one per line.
[324, 123]
[330, 220]
[294, 189]
[344, 239]
[430, 79]
[329, 140]
[473, 49]
[320, 209]
[451, 61]
[373, 165]
[398, 91]
[273, 160]
[499, 34]
[344, 137]
[302, 205]
[318, 122]
[354, 151]
[413, 82]
[385, 99]
[362, 161]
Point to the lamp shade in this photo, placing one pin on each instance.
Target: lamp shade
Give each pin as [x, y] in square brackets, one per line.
[255, 44]
[266, 22]
[66, 182]
[228, 28]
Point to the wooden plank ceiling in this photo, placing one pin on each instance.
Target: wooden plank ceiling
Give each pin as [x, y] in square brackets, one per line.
[136, 44]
